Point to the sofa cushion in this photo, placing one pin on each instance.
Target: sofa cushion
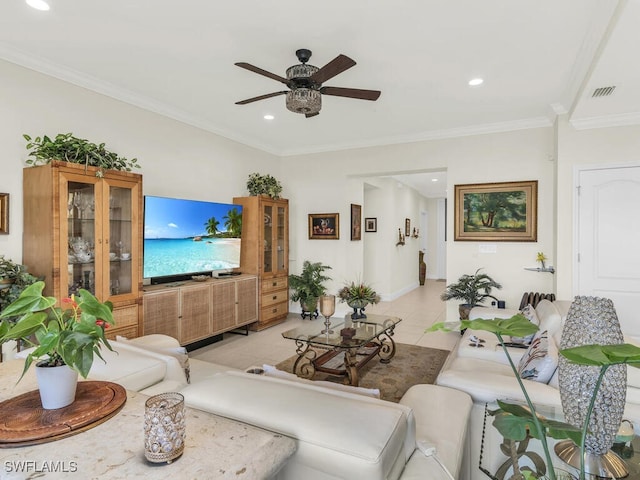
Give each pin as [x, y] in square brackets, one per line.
[530, 314]
[342, 434]
[551, 319]
[164, 345]
[540, 361]
[272, 371]
[132, 370]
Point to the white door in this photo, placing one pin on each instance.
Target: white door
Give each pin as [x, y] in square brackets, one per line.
[609, 240]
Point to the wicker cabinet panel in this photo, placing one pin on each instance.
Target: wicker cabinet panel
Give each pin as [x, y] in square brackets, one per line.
[195, 314]
[247, 301]
[162, 312]
[223, 299]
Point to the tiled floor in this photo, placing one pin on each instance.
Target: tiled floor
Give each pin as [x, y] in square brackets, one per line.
[418, 309]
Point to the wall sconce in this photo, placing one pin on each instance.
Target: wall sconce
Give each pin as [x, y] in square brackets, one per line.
[400, 238]
[415, 232]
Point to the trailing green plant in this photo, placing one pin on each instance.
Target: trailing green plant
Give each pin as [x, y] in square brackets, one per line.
[515, 422]
[8, 268]
[69, 335]
[471, 289]
[67, 147]
[258, 184]
[309, 285]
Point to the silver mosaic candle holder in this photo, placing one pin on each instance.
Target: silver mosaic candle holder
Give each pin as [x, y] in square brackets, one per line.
[164, 427]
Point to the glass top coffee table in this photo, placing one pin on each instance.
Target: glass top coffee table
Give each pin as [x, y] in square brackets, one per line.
[348, 346]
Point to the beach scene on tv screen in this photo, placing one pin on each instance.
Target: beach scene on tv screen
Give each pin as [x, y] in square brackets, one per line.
[188, 236]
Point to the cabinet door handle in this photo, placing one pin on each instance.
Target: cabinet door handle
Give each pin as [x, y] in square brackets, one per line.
[274, 297]
[274, 310]
[274, 284]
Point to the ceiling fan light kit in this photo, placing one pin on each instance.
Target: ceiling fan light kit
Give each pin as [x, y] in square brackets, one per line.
[305, 84]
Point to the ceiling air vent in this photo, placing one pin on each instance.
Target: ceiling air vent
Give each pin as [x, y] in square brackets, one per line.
[603, 92]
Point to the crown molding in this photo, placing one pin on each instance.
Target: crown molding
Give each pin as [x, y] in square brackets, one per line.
[605, 121]
[501, 127]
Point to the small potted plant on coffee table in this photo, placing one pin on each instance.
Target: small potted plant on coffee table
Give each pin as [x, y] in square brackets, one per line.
[358, 295]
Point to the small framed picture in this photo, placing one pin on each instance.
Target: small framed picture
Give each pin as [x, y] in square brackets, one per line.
[356, 222]
[4, 213]
[324, 226]
[407, 227]
[371, 224]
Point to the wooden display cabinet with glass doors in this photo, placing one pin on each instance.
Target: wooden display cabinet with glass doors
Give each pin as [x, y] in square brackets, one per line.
[83, 229]
[265, 253]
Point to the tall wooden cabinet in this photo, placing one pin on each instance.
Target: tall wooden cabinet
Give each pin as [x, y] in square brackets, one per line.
[265, 253]
[82, 230]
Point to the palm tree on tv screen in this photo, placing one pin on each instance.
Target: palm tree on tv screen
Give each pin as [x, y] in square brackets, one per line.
[233, 222]
[212, 226]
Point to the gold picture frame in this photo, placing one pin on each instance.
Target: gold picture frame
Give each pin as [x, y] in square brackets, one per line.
[407, 227]
[4, 213]
[324, 226]
[496, 212]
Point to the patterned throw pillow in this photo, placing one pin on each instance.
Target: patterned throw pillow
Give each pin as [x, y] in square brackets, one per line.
[540, 361]
[530, 314]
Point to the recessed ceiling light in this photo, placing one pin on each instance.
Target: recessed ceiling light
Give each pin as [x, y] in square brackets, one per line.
[434, 179]
[474, 82]
[269, 117]
[38, 4]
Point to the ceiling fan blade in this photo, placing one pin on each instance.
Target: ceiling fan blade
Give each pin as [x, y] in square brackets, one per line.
[261, 97]
[260, 71]
[309, 115]
[351, 93]
[331, 69]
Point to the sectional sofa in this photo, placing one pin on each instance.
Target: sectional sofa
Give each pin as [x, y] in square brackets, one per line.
[339, 432]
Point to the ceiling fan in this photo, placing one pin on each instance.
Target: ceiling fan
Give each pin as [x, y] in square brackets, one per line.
[305, 84]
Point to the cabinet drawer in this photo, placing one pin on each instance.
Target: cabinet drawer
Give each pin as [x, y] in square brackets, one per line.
[276, 283]
[126, 316]
[128, 332]
[274, 311]
[271, 298]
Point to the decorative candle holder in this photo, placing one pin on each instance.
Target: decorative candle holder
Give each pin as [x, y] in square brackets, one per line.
[164, 427]
[327, 308]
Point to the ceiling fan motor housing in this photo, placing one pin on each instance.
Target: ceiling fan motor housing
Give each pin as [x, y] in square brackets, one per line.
[304, 96]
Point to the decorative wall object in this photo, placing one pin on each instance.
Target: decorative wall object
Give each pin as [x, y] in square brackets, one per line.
[324, 226]
[407, 227]
[400, 238]
[4, 213]
[356, 222]
[591, 320]
[498, 212]
[371, 224]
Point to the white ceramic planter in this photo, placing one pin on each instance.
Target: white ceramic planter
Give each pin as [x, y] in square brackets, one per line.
[57, 386]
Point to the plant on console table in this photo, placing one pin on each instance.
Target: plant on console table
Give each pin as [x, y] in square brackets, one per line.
[65, 339]
[472, 290]
[516, 422]
[358, 295]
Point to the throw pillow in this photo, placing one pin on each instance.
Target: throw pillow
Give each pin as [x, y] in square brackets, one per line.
[530, 314]
[540, 361]
[178, 352]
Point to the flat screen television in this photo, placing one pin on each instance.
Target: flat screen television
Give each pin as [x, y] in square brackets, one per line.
[189, 237]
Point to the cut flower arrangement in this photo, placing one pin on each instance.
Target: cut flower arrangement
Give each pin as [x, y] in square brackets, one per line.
[358, 292]
[68, 335]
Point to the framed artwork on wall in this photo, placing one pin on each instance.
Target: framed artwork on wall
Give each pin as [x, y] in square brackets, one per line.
[371, 224]
[498, 212]
[407, 227]
[4, 213]
[356, 222]
[324, 226]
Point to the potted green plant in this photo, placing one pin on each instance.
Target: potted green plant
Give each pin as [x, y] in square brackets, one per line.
[258, 184]
[358, 295]
[9, 270]
[65, 338]
[14, 278]
[307, 287]
[472, 290]
[67, 147]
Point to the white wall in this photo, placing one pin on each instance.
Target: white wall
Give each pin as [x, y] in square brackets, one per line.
[176, 159]
[604, 146]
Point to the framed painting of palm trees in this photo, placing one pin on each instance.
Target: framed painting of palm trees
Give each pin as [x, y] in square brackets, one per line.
[498, 212]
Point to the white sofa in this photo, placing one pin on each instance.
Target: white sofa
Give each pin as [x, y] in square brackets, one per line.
[485, 374]
[339, 433]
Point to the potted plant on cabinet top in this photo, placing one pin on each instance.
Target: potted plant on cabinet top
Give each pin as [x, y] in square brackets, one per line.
[14, 278]
[308, 287]
[66, 337]
[358, 295]
[66, 147]
[258, 184]
[472, 290]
